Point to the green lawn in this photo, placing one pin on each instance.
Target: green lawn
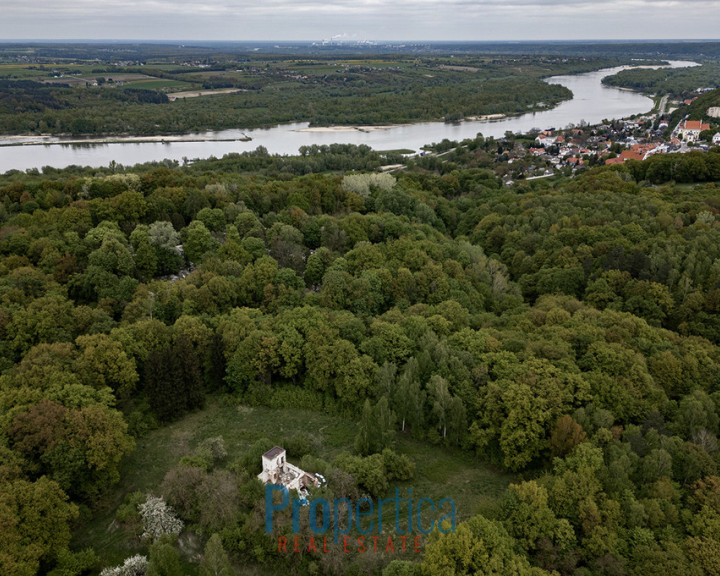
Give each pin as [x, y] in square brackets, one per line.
[20, 72]
[161, 83]
[440, 472]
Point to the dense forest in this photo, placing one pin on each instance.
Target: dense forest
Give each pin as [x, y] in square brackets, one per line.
[562, 333]
[698, 109]
[676, 82]
[100, 111]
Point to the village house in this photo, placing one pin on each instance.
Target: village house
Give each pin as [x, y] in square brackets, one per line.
[625, 155]
[613, 161]
[644, 149]
[716, 139]
[546, 140]
[690, 130]
[277, 470]
[632, 155]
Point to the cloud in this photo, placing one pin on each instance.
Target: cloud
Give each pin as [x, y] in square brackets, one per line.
[373, 19]
[351, 6]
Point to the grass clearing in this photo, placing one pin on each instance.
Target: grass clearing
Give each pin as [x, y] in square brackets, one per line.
[15, 71]
[162, 83]
[440, 472]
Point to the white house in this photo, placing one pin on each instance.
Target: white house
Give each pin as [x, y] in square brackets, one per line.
[545, 140]
[690, 130]
[277, 470]
[716, 139]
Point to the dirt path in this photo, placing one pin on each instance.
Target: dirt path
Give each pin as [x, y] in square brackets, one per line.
[196, 93]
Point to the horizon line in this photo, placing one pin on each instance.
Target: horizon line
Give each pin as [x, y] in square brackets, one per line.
[367, 41]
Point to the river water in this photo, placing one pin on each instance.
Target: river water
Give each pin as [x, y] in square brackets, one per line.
[592, 102]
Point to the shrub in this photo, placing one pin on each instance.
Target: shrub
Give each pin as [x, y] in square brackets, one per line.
[298, 445]
[397, 466]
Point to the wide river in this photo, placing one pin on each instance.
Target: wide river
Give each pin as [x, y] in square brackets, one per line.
[592, 102]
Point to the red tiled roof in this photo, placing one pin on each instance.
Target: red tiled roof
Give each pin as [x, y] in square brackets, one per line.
[643, 147]
[696, 125]
[631, 155]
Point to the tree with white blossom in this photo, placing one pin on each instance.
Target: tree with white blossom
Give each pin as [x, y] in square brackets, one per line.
[158, 518]
[133, 566]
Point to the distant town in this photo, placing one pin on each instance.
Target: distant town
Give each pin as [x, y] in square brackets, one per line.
[555, 151]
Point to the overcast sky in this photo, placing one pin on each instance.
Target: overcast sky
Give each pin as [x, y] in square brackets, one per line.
[374, 20]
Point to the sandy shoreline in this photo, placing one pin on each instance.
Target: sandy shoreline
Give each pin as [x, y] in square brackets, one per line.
[486, 117]
[48, 140]
[390, 126]
[350, 128]
[45, 140]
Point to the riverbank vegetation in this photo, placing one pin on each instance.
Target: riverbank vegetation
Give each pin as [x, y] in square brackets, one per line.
[162, 326]
[158, 93]
[674, 82]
